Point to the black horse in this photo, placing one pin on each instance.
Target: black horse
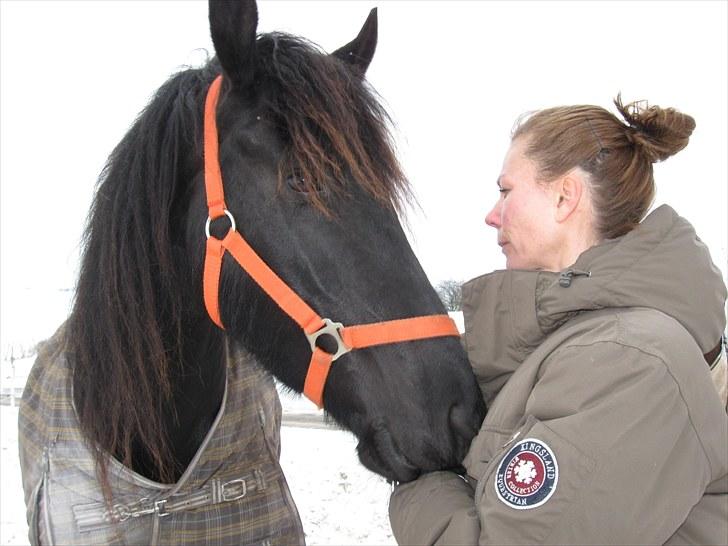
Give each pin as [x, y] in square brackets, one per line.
[313, 183]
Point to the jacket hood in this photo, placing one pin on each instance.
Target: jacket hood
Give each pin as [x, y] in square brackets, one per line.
[661, 264]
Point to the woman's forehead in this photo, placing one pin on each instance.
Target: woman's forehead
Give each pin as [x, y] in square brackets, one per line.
[516, 164]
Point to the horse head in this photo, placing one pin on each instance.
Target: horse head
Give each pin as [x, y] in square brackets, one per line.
[314, 187]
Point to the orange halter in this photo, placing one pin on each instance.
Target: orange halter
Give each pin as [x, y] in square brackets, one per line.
[347, 337]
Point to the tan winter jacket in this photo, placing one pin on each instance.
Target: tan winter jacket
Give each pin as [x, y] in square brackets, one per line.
[604, 426]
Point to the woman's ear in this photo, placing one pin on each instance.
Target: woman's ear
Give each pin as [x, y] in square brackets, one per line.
[569, 194]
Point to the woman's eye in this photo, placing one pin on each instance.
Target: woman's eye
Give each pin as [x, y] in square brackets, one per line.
[503, 191]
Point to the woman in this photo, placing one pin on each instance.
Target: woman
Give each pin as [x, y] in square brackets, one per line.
[593, 350]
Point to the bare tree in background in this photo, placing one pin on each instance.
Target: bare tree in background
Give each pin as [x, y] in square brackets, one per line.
[451, 294]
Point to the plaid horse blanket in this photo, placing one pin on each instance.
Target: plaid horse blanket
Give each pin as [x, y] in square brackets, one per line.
[233, 491]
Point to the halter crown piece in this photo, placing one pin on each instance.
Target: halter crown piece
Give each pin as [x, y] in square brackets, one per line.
[348, 338]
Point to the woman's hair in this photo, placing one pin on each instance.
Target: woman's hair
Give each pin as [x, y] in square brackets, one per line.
[617, 155]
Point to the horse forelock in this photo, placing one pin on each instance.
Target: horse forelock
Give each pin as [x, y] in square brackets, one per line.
[331, 120]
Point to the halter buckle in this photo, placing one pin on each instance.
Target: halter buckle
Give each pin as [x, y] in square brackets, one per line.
[334, 330]
[209, 221]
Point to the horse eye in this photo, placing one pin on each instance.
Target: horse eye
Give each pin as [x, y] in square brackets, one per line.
[297, 183]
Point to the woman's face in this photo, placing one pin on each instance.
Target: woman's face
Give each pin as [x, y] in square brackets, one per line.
[524, 214]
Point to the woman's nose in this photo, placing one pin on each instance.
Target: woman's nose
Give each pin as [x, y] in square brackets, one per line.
[493, 217]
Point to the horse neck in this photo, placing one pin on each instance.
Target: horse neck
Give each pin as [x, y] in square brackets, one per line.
[203, 348]
[198, 383]
[197, 379]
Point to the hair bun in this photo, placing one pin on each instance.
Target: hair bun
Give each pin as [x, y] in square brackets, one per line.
[660, 132]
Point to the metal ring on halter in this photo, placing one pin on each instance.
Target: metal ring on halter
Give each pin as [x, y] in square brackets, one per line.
[331, 328]
[209, 221]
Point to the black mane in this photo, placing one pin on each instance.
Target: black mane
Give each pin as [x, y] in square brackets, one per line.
[125, 329]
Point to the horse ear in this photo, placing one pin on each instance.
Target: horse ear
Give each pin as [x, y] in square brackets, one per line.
[233, 26]
[360, 50]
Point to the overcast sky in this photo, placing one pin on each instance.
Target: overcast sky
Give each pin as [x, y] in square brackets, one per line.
[454, 76]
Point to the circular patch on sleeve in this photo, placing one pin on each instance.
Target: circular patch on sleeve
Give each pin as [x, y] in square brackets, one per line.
[527, 475]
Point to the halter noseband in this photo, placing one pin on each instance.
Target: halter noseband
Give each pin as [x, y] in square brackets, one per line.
[348, 338]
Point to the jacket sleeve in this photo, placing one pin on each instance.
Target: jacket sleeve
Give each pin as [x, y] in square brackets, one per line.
[437, 508]
[628, 465]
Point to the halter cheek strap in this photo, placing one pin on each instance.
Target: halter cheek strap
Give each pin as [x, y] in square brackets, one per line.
[347, 338]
